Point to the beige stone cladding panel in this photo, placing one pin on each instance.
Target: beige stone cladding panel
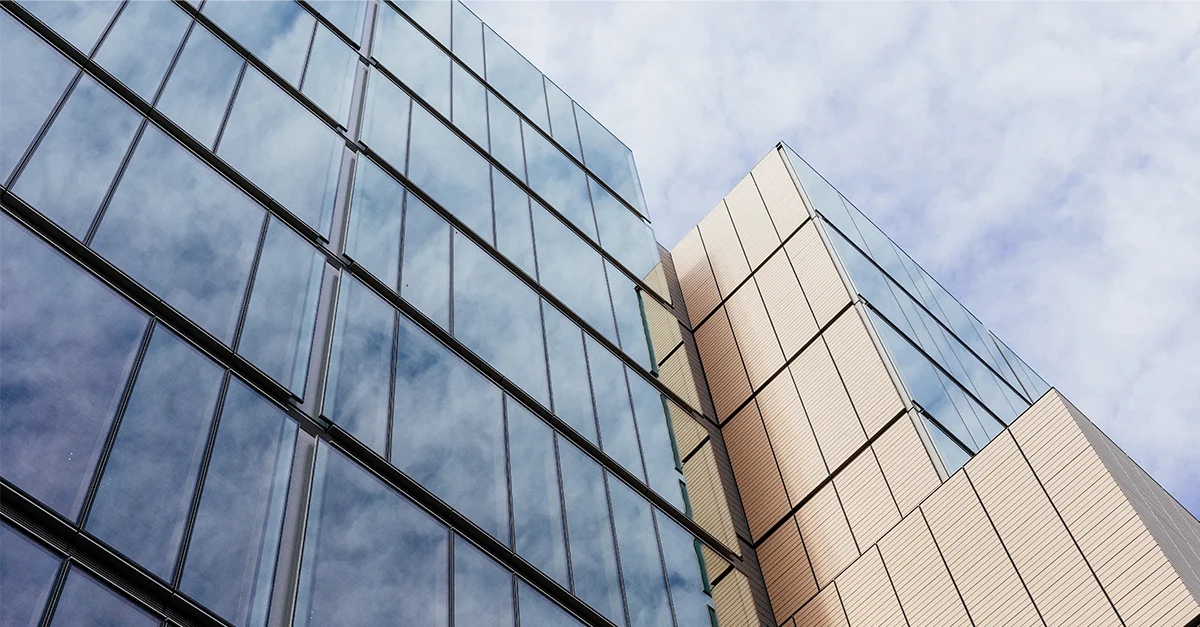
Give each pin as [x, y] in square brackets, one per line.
[792, 437]
[665, 334]
[755, 336]
[906, 464]
[865, 496]
[754, 226]
[922, 582]
[725, 253]
[818, 276]
[780, 194]
[734, 601]
[786, 570]
[824, 610]
[834, 422]
[981, 569]
[826, 535]
[867, 594]
[688, 433]
[1054, 571]
[657, 281]
[866, 377]
[707, 496]
[755, 471]
[677, 374]
[722, 364]
[788, 309]
[700, 294]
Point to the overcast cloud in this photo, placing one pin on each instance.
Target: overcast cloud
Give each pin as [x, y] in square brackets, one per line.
[1040, 160]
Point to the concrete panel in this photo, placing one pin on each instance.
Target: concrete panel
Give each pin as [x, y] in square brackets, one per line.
[754, 226]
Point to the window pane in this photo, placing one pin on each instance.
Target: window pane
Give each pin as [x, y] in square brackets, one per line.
[605, 155]
[470, 106]
[199, 88]
[482, 589]
[515, 77]
[85, 145]
[572, 271]
[231, 556]
[142, 43]
[145, 493]
[283, 149]
[562, 119]
[425, 271]
[953, 456]
[80, 23]
[451, 172]
[35, 77]
[330, 74]
[468, 37]
[360, 364]
[593, 561]
[27, 571]
[182, 230]
[558, 181]
[370, 556]
[641, 568]
[661, 464]
[623, 234]
[497, 316]
[85, 602]
[278, 331]
[682, 555]
[346, 15]
[536, 504]
[411, 57]
[537, 610]
[434, 17]
[278, 33]
[618, 437]
[569, 375]
[504, 129]
[627, 306]
[67, 343]
[385, 127]
[373, 237]
[514, 229]
[448, 429]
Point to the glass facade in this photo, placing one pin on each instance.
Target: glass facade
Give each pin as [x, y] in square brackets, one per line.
[324, 313]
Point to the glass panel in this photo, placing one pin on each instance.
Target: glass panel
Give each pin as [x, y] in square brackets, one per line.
[27, 571]
[569, 374]
[1037, 386]
[826, 199]
[199, 88]
[641, 568]
[468, 37]
[330, 74]
[537, 509]
[360, 364]
[497, 316]
[623, 234]
[85, 145]
[385, 127]
[140, 46]
[448, 429]
[451, 172]
[425, 271]
[627, 305]
[572, 271]
[411, 57]
[434, 17]
[689, 584]
[539, 611]
[183, 231]
[85, 602]
[231, 555]
[618, 436]
[283, 149]
[278, 33]
[278, 331]
[558, 181]
[470, 105]
[373, 237]
[610, 159]
[661, 460]
[67, 343]
[562, 119]
[145, 494]
[35, 76]
[514, 226]
[80, 23]
[346, 15]
[482, 589]
[370, 556]
[953, 456]
[593, 560]
[504, 129]
[515, 77]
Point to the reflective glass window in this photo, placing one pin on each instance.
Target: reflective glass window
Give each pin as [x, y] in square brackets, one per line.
[467, 37]
[282, 314]
[514, 226]
[470, 105]
[504, 131]
[199, 88]
[497, 316]
[67, 343]
[85, 602]
[662, 466]
[142, 43]
[79, 22]
[283, 149]
[641, 568]
[515, 77]
[572, 271]
[371, 557]
[85, 145]
[826, 199]
[537, 610]
[623, 234]
[330, 74]
[425, 271]
[536, 504]
[1033, 383]
[451, 172]
[27, 570]
[689, 585]
[385, 127]
[230, 560]
[182, 230]
[559, 181]
[411, 57]
[610, 159]
[278, 33]
[482, 589]
[953, 456]
[35, 77]
[562, 119]
[569, 374]
[448, 429]
[618, 436]
[627, 306]
[346, 15]
[376, 208]
[434, 17]
[142, 503]
[360, 364]
[593, 561]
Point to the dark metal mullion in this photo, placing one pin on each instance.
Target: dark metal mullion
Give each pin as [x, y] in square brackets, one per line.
[612, 525]
[237, 86]
[450, 593]
[512, 519]
[321, 19]
[562, 507]
[56, 587]
[312, 39]
[248, 293]
[937, 422]
[293, 528]
[107, 30]
[116, 181]
[391, 391]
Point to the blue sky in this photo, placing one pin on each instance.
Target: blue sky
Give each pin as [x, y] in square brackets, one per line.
[1041, 160]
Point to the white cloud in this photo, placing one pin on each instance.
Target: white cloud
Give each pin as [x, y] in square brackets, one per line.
[1035, 158]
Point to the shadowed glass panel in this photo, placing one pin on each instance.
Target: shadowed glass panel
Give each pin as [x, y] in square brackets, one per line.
[86, 602]
[515, 77]
[618, 436]
[330, 74]
[467, 33]
[198, 91]
[482, 589]
[470, 105]
[409, 55]
[537, 509]
[627, 307]
[573, 271]
[610, 159]
[451, 172]
[278, 33]
[514, 227]
[504, 130]
[681, 551]
[385, 124]
[562, 119]
[346, 15]
[425, 271]
[559, 181]
[360, 364]
[67, 343]
[641, 569]
[623, 234]
[662, 466]
[593, 560]
[80, 23]
[27, 571]
[569, 374]
[537, 610]
[140, 46]
[376, 209]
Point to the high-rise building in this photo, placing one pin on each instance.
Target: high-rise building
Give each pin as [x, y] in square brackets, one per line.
[325, 313]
